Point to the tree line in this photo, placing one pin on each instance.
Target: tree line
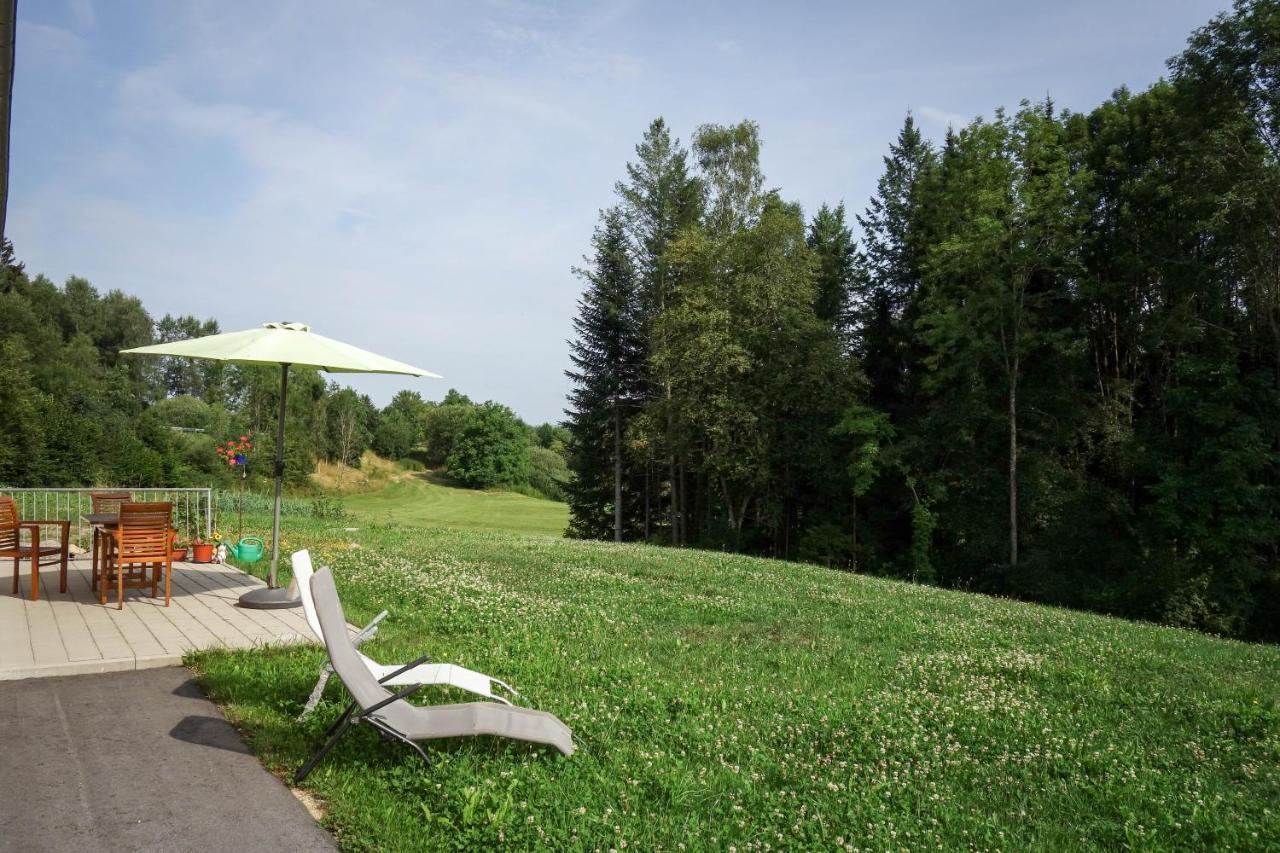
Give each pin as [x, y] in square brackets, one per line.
[73, 412]
[1047, 367]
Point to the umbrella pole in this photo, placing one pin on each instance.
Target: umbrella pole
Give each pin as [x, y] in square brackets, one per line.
[273, 597]
[275, 521]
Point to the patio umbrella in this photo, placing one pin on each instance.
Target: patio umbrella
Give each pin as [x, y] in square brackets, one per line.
[282, 344]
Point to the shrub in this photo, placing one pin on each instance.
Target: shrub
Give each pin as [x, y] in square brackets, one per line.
[395, 436]
[548, 473]
[327, 507]
[491, 449]
[185, 411]
[441, 428]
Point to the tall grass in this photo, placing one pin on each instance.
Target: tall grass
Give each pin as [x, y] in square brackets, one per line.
[227, 504]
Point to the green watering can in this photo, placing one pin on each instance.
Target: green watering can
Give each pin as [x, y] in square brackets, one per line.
[248, 550]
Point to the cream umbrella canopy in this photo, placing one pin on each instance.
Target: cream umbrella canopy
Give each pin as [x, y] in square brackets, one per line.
[283, 344]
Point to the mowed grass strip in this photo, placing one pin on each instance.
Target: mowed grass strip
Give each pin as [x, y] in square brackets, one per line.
[422, 501]
[730, 702]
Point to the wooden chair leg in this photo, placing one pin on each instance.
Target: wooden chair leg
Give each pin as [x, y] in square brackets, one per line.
[62, 571]
[35, 576]
[168, 580]
[119, 586]
[93, 558]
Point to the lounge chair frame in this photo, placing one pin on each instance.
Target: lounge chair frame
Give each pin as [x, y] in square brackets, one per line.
[349, 718]
[423, 723]
[423, 672]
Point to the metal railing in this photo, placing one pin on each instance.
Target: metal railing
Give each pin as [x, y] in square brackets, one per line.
[192, 508]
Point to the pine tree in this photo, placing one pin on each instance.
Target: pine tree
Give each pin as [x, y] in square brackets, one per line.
[892, 255]
[659, 200]
[606, 382]
[832, 243]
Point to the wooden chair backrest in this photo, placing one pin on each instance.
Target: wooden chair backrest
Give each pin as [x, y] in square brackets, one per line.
[106, 503]
[8, 522]
[144, 531]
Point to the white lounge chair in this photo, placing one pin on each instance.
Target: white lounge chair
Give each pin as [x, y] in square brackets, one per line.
[422, 674]
[395, 718]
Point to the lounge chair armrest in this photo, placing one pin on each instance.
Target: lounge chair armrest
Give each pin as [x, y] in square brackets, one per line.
[368, 632]
[384, 679]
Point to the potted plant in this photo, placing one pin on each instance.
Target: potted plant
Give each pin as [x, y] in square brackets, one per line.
[201, 552]
[177, 553]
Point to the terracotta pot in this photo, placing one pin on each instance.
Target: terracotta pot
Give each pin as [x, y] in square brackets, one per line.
[202, 552]
[178, 555]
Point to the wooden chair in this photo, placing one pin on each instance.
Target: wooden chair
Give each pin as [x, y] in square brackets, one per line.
[143, 540]
[11, 546]
[104, 503]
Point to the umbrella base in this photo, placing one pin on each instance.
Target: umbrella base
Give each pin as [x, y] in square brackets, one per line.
[270, 599]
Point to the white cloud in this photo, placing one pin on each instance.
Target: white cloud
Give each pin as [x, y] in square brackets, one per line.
[943, 117]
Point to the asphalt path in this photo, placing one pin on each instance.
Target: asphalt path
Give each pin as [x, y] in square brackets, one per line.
[136, 760]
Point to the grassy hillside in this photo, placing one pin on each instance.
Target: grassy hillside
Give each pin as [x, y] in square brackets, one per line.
[420, 500]
[727, 701]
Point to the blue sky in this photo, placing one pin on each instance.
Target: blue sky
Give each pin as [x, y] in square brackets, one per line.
[419, 178]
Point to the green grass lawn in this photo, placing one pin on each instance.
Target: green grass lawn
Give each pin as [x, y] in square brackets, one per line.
[730, 702]
[423, 502]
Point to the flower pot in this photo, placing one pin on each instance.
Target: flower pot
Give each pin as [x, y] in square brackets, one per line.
[202, 552]
[178, 555]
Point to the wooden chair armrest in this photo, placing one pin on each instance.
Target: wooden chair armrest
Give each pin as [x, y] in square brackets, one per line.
[46, 522]
[34, 527]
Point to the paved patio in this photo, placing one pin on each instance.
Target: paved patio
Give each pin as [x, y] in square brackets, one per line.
[72, 634]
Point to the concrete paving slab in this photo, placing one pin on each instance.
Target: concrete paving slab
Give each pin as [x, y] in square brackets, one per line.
[71, 633]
